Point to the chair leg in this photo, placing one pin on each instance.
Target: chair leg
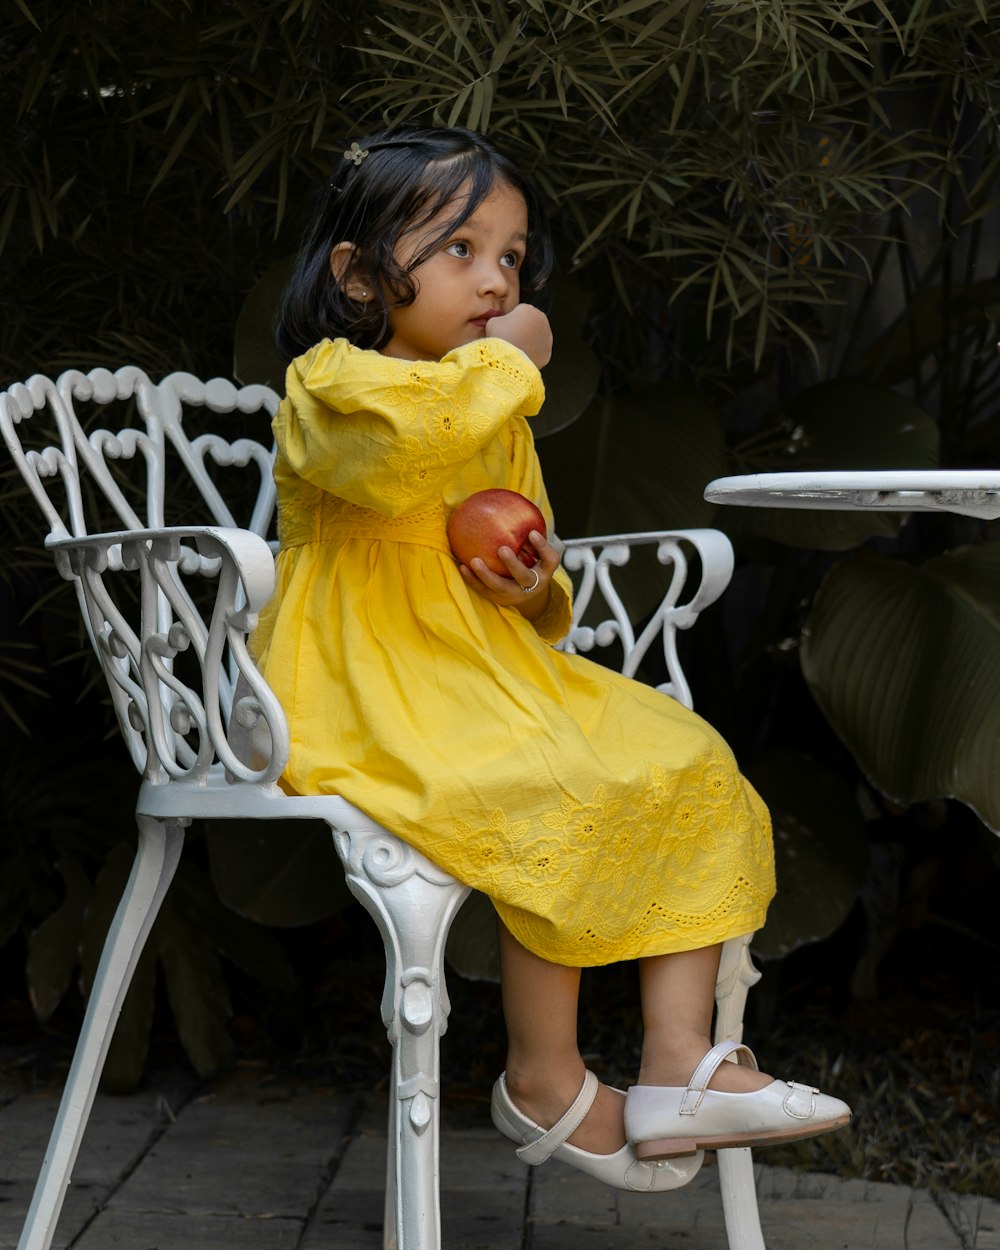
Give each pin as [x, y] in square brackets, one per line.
[389, 1240]
[736, 1180]
[413, 903]
[159, 849]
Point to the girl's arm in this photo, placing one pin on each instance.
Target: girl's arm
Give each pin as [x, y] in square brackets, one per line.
[527, 328]
[388, 434]
[550, 605]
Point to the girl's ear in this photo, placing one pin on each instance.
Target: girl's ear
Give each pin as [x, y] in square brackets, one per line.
[347, 273]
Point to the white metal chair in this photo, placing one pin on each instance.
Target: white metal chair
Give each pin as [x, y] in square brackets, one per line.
[187, 696]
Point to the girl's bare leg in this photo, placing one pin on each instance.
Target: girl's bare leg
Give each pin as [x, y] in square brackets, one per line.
[544, 1067]
[678, 995]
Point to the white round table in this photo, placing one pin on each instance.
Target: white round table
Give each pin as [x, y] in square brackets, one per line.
[969, 492]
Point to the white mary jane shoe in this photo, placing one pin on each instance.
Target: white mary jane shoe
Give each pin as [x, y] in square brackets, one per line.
[663, 1121]
[621, 1170]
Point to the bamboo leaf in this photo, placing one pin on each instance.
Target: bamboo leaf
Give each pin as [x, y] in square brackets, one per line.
[629, 8]
[264, 153]
[458, 105]
[666, 13]
[178, 146]
[9, 215]
[683, 87]
[27, 13]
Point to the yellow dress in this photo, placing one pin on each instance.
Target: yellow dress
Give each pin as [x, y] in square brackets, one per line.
[604, 820]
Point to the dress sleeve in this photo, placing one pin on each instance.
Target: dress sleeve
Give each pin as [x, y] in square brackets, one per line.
[388, 434]
[555, 621]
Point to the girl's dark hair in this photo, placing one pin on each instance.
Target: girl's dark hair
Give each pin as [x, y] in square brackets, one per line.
[410, 174]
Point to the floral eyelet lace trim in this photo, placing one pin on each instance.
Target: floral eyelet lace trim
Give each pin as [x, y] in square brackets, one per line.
[683, 857]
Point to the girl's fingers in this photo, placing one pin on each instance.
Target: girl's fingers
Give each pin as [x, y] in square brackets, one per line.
[519, 572]
[477, 572]
[547, 554]
[519, 578]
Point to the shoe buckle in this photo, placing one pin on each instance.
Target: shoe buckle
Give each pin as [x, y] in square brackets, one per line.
[800, 1101]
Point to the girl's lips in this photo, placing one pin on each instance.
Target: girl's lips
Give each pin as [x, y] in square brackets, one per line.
[486, 317]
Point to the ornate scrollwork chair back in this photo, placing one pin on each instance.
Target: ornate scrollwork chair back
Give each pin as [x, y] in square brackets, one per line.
[143, 499]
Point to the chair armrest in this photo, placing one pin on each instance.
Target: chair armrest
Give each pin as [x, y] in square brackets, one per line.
[598, 561]
[171, 641]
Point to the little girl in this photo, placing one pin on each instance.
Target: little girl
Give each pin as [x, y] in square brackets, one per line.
[604, 820]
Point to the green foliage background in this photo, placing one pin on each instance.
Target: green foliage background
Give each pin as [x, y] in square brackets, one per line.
[777, 231]
[718, 172]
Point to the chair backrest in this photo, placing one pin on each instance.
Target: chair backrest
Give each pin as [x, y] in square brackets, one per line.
[64, 463]
[641, 562]
[186, 510]
[183, 513]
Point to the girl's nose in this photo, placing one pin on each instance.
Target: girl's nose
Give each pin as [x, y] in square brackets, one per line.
[494, 278]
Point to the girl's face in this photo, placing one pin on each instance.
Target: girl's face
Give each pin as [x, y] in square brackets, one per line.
[471, 277]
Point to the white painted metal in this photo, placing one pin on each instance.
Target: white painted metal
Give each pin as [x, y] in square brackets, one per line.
[970, 492]
[190, 703]
[736, 1179]
[596, 559]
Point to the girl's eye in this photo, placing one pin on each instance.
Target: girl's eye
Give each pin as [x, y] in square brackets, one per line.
[511, 260]
[458, 248]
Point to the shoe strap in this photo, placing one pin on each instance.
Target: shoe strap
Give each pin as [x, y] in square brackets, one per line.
[550, 1141]
[705, 1070]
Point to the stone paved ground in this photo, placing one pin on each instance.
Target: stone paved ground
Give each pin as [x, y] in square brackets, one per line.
[249, 1163]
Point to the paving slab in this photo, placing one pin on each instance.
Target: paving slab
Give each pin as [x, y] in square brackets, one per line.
[251, 1163]
[136, 1230]
[483, 1191]
[256, 1158]
[118, 1136]
[796, 1210]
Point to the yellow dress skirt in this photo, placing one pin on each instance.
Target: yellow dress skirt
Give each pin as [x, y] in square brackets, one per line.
[604, 820]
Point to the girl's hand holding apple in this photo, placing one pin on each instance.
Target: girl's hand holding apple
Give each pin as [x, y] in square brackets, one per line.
[519, 589]
[499, 539]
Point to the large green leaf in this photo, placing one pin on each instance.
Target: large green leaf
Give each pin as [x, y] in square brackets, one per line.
[905, 663]
[472, 948]
[820, 850]
[571, 376]
[836, 425]
[659, 446]
[252, 947]
[280, 872]
[199, 996]
[52, 949]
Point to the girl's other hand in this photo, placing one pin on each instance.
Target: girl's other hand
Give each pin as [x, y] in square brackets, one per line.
[513, 591]
[526, 327]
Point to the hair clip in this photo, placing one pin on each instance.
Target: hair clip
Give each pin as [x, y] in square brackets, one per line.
[355, 153]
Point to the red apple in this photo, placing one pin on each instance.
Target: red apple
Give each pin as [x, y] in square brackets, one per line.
[491, 519]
